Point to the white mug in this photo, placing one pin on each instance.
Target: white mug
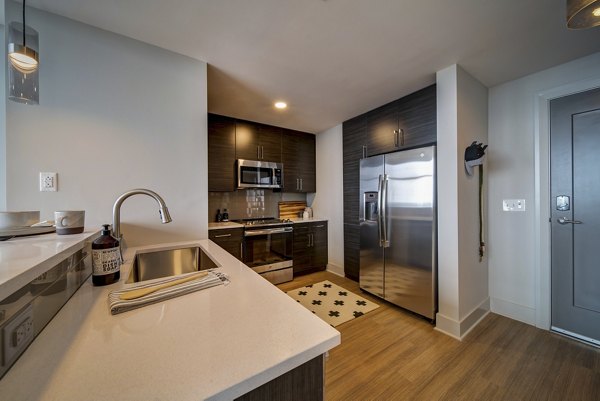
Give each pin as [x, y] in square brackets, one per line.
[69, 221]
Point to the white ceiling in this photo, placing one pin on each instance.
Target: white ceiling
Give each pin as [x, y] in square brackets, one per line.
[334, 59]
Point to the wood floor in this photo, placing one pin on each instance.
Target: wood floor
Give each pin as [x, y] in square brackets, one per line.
[390, 354]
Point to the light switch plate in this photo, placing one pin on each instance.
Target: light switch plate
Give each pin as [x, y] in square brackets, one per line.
[513, 205]
[48, 182]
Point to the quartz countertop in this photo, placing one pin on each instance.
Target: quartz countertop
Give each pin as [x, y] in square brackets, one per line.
[224, 224]
[22, 259]
[214, 344]
[309, 220]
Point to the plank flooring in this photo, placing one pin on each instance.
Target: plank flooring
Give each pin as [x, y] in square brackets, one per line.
[391, 354]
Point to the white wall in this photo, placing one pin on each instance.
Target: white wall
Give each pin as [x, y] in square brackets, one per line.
[114, 114]
[514, 239]
[328, 201]
[2, 114]
[462, 278]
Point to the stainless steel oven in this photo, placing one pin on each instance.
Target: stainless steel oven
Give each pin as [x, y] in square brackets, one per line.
[268, 250]
[255, 174]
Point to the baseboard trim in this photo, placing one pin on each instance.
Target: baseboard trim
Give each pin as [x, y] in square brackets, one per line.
[514, 311]
[335, 269]
[459, 329]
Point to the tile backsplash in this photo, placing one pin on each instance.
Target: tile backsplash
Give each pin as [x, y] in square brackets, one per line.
[249, 203]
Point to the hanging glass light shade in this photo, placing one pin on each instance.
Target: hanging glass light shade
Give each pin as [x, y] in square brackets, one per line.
[583, 14]
[23, 56]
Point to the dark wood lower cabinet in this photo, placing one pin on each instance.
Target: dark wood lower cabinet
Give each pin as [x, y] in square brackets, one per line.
[310, 247]
[304, 383]
[229, 239]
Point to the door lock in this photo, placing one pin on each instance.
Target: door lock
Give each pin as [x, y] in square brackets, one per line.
[563, 203]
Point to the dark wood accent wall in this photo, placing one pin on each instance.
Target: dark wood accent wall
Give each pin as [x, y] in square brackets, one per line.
[406, 123]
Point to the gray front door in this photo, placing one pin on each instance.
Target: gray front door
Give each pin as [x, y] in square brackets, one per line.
[575, 217]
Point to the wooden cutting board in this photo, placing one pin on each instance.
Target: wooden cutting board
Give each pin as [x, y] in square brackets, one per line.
[291, 209]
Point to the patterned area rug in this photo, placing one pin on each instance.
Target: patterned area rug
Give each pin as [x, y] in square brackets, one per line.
[332, 303]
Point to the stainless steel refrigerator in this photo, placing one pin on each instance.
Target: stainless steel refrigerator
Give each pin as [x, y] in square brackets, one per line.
[398, 229]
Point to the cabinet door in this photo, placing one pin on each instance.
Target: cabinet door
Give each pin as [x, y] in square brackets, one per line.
[270, 143]
[354, 143]
[298, 157]
[246, 140]
[229, 239]
[319, 244]
[302, 250]
[382, 124]
[221, 153]
[418, 118]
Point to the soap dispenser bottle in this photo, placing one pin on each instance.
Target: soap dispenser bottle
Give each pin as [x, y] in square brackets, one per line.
[106, 258]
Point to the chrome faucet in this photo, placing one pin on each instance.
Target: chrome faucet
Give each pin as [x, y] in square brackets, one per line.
[165, 217]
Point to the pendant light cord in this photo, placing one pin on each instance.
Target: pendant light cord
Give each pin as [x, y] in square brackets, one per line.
[24, 24]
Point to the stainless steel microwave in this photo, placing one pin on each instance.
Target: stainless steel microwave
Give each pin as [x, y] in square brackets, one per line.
[258, 174]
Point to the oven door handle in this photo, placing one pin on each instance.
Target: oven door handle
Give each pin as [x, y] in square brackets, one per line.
[268, 231]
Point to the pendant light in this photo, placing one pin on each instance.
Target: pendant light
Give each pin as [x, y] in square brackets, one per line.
[583, 14]
[23, 66]
[23, 58]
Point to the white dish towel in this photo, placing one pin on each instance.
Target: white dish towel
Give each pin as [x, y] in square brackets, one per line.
[118, 305]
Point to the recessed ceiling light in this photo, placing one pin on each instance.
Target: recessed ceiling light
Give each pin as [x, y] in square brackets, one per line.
[280, 105]
[596, 12]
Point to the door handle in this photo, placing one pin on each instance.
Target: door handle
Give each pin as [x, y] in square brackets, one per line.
[386, 241]
[564, 220]
[379, 209]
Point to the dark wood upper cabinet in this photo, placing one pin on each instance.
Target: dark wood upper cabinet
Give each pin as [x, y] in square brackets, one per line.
[405, 123]
[257, 141]
[382, 130]
[221, 154]
[298, 157]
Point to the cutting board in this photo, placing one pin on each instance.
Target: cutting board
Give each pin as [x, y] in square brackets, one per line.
[291, 209]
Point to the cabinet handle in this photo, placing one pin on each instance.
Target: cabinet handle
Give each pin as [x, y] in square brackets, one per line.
[297, 184]
[241, 250]
[321, 226]
[401, 132]
[301, 184]
[364, 152]
[262, 152]
[258, 152]
[396, 140]
[222, 235]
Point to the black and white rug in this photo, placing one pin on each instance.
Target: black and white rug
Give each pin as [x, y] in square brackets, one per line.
[332, 303]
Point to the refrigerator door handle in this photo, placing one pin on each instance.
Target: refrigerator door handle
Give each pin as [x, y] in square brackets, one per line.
[380, 210]
[383, 214]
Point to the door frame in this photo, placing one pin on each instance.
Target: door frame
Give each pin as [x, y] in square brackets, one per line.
[542, 229]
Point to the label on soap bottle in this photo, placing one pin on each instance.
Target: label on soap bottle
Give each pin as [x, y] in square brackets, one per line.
[105, 261]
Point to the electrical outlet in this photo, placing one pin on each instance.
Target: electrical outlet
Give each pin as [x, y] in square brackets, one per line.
[48, 182]
[513, 205]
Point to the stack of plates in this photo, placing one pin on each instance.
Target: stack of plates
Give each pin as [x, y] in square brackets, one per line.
[19, 224]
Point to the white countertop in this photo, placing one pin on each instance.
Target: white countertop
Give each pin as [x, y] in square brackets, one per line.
[224, 224]
[23, 259]
[309, 220]
[215, 344]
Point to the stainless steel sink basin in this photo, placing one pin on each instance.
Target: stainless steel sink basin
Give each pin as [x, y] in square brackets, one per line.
[171, 262]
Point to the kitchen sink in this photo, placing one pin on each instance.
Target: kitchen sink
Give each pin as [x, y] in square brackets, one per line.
[149, 265]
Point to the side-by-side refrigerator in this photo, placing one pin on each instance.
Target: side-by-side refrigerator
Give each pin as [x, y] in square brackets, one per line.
[398, 229]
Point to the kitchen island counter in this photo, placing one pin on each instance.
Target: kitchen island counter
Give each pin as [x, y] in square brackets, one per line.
[217, 344]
